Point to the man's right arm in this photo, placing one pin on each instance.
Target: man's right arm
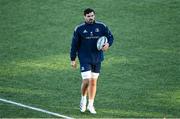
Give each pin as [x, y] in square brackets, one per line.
[74, 48]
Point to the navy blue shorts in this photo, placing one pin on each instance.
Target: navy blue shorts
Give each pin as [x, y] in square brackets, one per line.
[91, 67]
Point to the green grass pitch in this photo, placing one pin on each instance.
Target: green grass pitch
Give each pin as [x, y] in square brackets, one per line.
[140, 76]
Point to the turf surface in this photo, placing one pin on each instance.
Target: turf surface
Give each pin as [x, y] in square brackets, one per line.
[140, 74]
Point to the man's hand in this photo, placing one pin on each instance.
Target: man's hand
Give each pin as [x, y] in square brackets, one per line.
[105, 47]
[73, 64]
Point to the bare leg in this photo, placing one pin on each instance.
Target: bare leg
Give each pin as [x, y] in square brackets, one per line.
[84, 87]
[92, 94]
[92, 88]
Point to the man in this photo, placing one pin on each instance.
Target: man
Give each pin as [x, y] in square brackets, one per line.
[84, 45]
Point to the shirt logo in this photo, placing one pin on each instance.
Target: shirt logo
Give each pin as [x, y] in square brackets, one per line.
[97, 30]
[85, 31]
[91, 33]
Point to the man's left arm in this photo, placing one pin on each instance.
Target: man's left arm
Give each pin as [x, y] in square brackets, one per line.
[110, 38]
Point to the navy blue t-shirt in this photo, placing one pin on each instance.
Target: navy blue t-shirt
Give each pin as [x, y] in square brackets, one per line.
[84, 42]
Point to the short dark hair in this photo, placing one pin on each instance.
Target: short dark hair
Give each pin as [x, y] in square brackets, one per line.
[88, 10]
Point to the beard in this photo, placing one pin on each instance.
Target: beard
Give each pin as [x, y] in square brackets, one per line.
[91, 21]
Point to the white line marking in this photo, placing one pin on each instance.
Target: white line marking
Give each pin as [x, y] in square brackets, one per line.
[34, 108]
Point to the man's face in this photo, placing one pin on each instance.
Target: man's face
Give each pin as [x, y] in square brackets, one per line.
[89, 18]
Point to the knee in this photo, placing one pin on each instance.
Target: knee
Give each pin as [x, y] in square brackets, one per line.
[86, 82]
[92, 82]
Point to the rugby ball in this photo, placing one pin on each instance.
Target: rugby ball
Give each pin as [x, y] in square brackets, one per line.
[101, 41]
